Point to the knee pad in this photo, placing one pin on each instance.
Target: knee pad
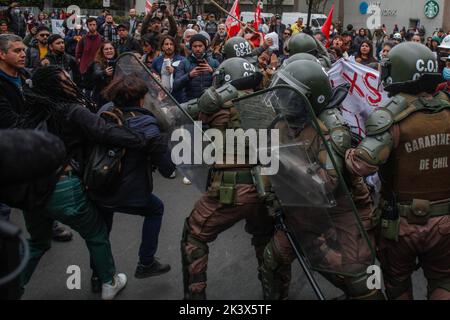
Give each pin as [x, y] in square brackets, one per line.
[356, 289]
[275, 275]
[395, 288]
[435, 284]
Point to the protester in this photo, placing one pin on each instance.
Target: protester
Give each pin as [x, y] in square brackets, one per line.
[55, 98]
[126, 42]
[100, 72]
[296, 27]
[108, 30]
[17, 20]
[218, 42]
[195, 74]
[135, 186]
[166, 64]
[72, 38]
[185, 49]
[132, 21]
[3, 27]
[211, 27]
[365, 55]
[88, 46]
[56, 56]
[151, 50]
[38, 49]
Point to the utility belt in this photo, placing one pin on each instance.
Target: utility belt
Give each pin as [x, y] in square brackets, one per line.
[418, 212]
[222, 183]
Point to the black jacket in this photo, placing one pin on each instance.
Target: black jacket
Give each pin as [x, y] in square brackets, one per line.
[66, 62]
[100, 79]
[17, 22]
[79, 129]
[12, 103]
[129, 45]
[136, 183]
[33, 59]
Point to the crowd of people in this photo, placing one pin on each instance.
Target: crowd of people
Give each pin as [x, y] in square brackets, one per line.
[67, 80]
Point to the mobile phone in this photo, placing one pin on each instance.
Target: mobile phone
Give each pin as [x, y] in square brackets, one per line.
[111, 63]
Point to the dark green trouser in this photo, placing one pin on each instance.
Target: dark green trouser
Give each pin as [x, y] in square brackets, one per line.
[69, 205]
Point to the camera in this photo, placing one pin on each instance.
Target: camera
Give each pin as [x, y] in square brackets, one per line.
[162, 6]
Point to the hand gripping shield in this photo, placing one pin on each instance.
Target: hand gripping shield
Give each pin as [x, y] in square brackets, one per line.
[318, 211]
[187, 138]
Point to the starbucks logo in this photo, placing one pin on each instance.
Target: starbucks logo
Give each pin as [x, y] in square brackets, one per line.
[431, 9]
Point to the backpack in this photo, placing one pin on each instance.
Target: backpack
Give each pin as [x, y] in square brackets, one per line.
[104, 166]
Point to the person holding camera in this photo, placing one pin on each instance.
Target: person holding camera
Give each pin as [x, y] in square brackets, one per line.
[109, 30]
[153, 21]
[195, 74]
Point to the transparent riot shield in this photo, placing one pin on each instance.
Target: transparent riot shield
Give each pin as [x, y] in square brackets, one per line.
[187, 138]
[318, 211]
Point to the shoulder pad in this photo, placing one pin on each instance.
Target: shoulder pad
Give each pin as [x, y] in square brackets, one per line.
[340, 134]
[382, 119]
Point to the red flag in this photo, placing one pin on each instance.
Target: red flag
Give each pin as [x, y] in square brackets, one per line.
[327, 26]
[233, 26]
[257, 19]
[148, 6]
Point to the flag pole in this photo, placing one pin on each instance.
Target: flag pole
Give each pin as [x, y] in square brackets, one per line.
[228, 14]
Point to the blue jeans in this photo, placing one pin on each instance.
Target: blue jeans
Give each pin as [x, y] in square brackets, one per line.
[151, 227]
[5, 212]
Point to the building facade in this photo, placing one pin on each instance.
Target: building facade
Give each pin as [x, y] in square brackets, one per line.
[433, 15]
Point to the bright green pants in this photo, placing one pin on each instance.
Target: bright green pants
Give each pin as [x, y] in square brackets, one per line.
[69, 205]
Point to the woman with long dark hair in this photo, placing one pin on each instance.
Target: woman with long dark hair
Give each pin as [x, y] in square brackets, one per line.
[365, 55]
[56, 103]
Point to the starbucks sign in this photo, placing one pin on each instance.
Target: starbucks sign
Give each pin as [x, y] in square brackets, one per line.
[431, 9]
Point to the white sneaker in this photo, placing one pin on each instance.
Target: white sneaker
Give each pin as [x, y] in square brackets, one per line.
[186, 181]
[173, 175]
[109, 291]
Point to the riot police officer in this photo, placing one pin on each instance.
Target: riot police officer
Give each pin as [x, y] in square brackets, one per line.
[231, 194]
[304, 43]
[408, 142]
[332, 234]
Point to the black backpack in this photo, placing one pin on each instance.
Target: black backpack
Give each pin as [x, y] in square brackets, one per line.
[104, 166]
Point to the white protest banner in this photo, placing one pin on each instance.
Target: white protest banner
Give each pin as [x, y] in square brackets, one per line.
[364, 95]
[57, 27]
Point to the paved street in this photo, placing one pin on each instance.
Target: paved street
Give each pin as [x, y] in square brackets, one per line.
[231, 271]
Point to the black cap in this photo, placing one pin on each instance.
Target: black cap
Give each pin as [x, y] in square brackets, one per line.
[53, 38]
[123, 25]
[198, 37]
